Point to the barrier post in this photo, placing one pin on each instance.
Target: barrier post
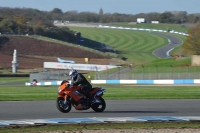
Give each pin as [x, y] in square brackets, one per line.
[171, 71]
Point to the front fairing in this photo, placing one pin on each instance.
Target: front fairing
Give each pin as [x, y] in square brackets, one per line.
[64, 89]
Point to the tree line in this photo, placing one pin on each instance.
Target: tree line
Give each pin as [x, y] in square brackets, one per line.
[33, 15]
[23, 21]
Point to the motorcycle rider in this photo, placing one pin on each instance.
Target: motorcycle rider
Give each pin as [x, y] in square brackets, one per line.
[34, 82]
[78, 79]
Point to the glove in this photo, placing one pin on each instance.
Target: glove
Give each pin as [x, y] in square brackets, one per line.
[68, 86]
[71, 85]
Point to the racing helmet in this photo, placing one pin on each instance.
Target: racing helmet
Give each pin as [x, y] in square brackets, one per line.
[73, 73]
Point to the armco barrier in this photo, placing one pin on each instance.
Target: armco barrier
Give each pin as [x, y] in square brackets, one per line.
[168, 81]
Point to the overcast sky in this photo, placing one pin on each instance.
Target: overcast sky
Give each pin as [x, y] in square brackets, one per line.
[108, 6]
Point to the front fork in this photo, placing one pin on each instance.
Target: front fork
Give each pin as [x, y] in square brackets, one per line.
[65, 100]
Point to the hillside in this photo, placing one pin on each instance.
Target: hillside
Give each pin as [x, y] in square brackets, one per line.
[33, 52]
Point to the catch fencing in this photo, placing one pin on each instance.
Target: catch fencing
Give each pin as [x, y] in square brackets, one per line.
[128, 73]
[143, 73]
[56, 75]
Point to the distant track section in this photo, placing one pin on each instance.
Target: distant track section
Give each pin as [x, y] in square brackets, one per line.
[173, 43]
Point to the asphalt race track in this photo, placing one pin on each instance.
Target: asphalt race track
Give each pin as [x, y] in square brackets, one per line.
[14, 110]
[173, 42]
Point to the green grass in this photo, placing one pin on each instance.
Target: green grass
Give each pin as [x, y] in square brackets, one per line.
[160, 26]
[180, 28]
[167, 66]
[14, 79]
[21, 93]
[103, 126]
[153, 92]
[168, 62]
[113, 92]
[161, 66]
[135, 46]
[179, 50]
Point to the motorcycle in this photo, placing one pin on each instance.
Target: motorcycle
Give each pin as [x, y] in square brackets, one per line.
[34, 83]
[71, 96]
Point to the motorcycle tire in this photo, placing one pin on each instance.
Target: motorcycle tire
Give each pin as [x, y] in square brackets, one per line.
[99, 107]
[61, 107]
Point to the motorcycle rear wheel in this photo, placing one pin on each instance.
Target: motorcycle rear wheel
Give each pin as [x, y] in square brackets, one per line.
[61, 106]
[99, 107]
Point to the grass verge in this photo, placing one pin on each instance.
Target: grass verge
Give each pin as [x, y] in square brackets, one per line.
[113, 92]
[102, 126]
[133, 46]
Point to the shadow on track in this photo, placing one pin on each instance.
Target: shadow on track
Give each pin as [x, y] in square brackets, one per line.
[131, 112]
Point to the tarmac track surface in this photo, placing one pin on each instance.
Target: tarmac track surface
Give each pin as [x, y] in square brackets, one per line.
[14, 110]
[173, 42]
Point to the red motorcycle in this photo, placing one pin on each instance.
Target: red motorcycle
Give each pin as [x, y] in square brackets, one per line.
[71, 96]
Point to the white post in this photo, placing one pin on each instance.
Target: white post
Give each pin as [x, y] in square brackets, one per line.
[14, 62]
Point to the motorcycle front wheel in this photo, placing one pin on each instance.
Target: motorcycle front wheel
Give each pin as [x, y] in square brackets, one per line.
[99, 107]
[65, 108]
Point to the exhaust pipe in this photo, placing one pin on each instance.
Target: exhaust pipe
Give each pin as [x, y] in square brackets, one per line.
[99, 93]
